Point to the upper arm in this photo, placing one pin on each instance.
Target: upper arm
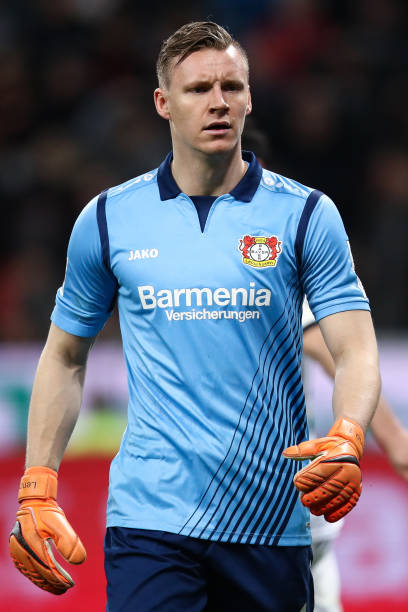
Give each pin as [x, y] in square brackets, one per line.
[67, 348]
[350, 333]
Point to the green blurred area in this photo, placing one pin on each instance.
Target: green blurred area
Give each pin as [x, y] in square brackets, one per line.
[97, 433]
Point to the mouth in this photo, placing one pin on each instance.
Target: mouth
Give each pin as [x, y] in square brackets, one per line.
[218, 127]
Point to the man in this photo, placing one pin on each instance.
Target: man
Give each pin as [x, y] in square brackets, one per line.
[209, 258]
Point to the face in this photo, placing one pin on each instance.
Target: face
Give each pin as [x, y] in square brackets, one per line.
[207, 101]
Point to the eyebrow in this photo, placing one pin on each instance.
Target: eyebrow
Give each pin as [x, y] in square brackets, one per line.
[208, 83]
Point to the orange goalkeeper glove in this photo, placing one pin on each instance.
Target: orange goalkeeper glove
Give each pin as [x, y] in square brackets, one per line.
[331, 483]
[39, 522]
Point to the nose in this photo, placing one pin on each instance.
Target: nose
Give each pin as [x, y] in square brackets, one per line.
[217, 101]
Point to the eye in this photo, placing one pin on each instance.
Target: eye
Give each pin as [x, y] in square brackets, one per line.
[199, 89]
[232, 86]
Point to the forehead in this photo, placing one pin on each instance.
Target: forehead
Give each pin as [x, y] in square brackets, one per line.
[211, 64]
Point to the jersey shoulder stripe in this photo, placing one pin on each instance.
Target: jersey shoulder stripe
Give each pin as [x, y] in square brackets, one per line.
[133, 184]
[281, 184]
[104, 239]
[310, 205]
[103, 228]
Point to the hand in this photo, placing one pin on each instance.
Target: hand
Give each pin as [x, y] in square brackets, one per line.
[40, 521]
[331, 483]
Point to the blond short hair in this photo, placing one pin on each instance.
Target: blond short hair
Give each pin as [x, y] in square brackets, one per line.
[189, 38]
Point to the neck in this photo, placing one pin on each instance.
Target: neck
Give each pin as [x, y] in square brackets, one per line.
[212, 175]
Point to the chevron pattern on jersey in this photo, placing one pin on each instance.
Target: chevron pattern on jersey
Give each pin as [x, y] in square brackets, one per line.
[251, 496]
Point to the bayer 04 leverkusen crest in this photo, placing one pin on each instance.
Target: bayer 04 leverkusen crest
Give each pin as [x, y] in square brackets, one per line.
[260, 251]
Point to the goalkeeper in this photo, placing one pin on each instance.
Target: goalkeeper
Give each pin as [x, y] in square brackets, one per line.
[209, 258]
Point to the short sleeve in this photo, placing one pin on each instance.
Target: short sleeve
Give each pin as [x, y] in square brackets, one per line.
[328, 275]
[85, 301]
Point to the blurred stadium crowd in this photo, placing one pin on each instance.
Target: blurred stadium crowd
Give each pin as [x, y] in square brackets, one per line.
[330, 90]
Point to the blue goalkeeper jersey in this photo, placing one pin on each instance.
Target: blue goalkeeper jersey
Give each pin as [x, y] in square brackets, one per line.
[212, 338]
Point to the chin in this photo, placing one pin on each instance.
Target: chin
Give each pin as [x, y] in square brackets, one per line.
[220, 147]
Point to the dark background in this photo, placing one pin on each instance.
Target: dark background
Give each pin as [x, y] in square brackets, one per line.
[330, 88]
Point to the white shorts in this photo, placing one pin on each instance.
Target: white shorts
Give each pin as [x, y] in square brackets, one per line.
[326, 577]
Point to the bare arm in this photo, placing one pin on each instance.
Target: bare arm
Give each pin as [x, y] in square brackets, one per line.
[391, 436]
[387, 430]
[330, 484]
[56, 397]
[350, 338]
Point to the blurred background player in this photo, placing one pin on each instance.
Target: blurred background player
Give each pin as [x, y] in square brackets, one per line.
[388, 432]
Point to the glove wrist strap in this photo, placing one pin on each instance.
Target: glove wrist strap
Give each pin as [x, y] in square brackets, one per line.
[350, 430]
[39, 483]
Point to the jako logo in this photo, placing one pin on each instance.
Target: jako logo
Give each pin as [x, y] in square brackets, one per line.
[143, 254]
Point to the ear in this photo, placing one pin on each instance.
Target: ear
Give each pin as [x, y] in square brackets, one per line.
[249, 104]
[160, 102]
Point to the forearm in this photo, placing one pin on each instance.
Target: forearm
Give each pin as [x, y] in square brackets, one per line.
[54, 408]
[392, 437]
[56, 397]
[385, 426]
[351, 341]
[352, 399]
[356, 388]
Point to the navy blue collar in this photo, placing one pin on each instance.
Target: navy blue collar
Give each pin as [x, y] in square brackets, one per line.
[244, 191]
